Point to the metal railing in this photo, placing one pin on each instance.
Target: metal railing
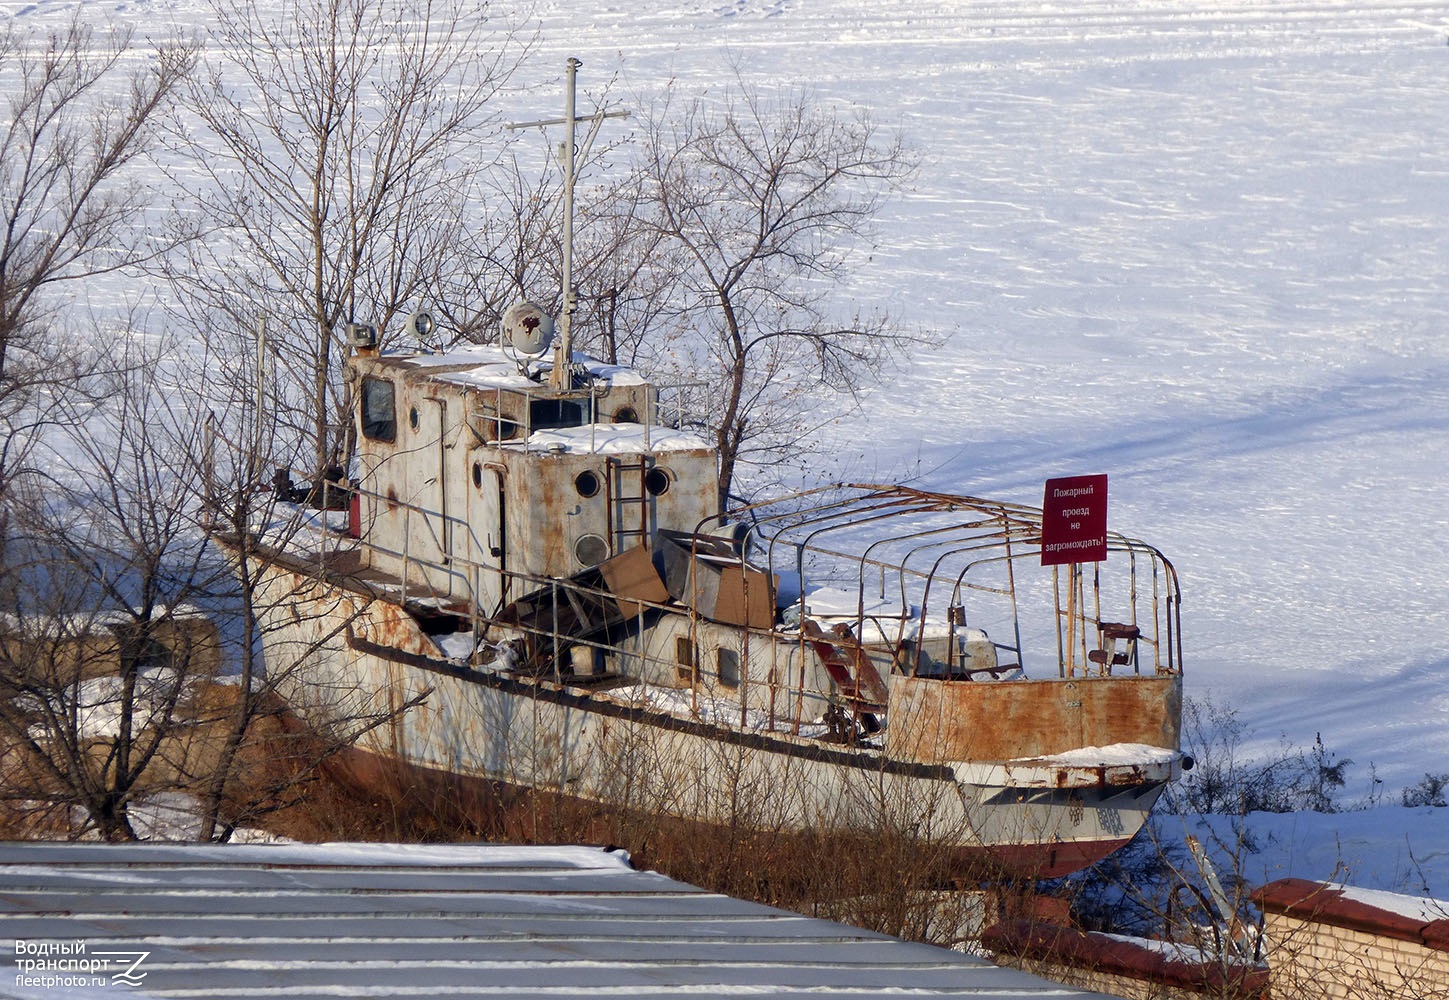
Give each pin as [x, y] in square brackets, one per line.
[419, 581]
[928, 550]
[952, 564]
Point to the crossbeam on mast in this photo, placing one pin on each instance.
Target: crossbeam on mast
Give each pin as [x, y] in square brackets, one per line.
[560, 377]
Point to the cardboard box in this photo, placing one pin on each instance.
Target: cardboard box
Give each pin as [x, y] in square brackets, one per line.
[704, 573]
[631, 577]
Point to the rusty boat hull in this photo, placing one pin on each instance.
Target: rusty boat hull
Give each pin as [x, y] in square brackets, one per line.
[361, 656]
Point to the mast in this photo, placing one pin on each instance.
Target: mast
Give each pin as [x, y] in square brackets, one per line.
[569, 151]
[563, 351]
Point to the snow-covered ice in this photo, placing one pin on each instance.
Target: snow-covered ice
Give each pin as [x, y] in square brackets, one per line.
[1198, 247]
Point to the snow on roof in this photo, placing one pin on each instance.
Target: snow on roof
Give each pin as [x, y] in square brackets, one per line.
[91, 622]
[610, 439]
[488, 366]
[840, 602]
[391, 920]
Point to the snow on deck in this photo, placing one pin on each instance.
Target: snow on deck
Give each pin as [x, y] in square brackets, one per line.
[391, 920]
[708, 708]
[610, 439]
[1108, 756]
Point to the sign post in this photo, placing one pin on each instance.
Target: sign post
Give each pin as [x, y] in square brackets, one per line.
[1074, 531]
[1074, 520]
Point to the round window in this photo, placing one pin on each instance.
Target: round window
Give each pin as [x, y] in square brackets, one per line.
[587, 483]
[656, 481]
[477, 475]
[626, 415]
[413, 417]
[591, 550]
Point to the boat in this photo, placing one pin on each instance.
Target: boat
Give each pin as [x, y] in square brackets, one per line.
[538, 587]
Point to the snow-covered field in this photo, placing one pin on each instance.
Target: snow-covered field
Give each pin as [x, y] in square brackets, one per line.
[1198, 246]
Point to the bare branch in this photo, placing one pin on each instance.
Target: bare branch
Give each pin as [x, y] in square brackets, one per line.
[338, 153]
[766, 203]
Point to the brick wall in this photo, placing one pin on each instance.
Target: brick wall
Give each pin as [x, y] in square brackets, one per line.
[1117, 966]
[1324, 944]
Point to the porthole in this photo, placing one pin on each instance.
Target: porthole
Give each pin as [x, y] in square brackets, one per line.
[477, 475]
[626, 415]
[656, 482]
[591, 550]
[413, 418]
[587, 483]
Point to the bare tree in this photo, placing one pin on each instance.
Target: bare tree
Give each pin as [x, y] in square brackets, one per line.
[633, 279]
[339, 153]
[75, 122]
[514, 251]
[259, 758]
[768, 200]
[102, 650]
[134, 657]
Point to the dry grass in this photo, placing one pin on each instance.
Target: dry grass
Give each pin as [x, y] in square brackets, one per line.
[887, 882]
[291, 783]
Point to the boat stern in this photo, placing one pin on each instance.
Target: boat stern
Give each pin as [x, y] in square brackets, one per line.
[1063, 771]
[935, 720]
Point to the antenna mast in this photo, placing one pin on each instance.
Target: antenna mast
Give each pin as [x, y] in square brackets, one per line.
[569, 151]
[563, 353]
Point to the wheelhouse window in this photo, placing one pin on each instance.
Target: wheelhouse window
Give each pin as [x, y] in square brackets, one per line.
[379, 413]
[546, 414]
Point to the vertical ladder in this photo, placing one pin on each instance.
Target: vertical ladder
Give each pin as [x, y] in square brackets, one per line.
[628, 527]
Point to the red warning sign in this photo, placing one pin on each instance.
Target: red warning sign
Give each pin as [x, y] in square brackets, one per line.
[1074, 520]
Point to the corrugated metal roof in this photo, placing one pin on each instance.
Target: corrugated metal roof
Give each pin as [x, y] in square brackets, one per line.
[455, 921]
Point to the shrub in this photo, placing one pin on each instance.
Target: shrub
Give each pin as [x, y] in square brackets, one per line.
[1428, 792]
